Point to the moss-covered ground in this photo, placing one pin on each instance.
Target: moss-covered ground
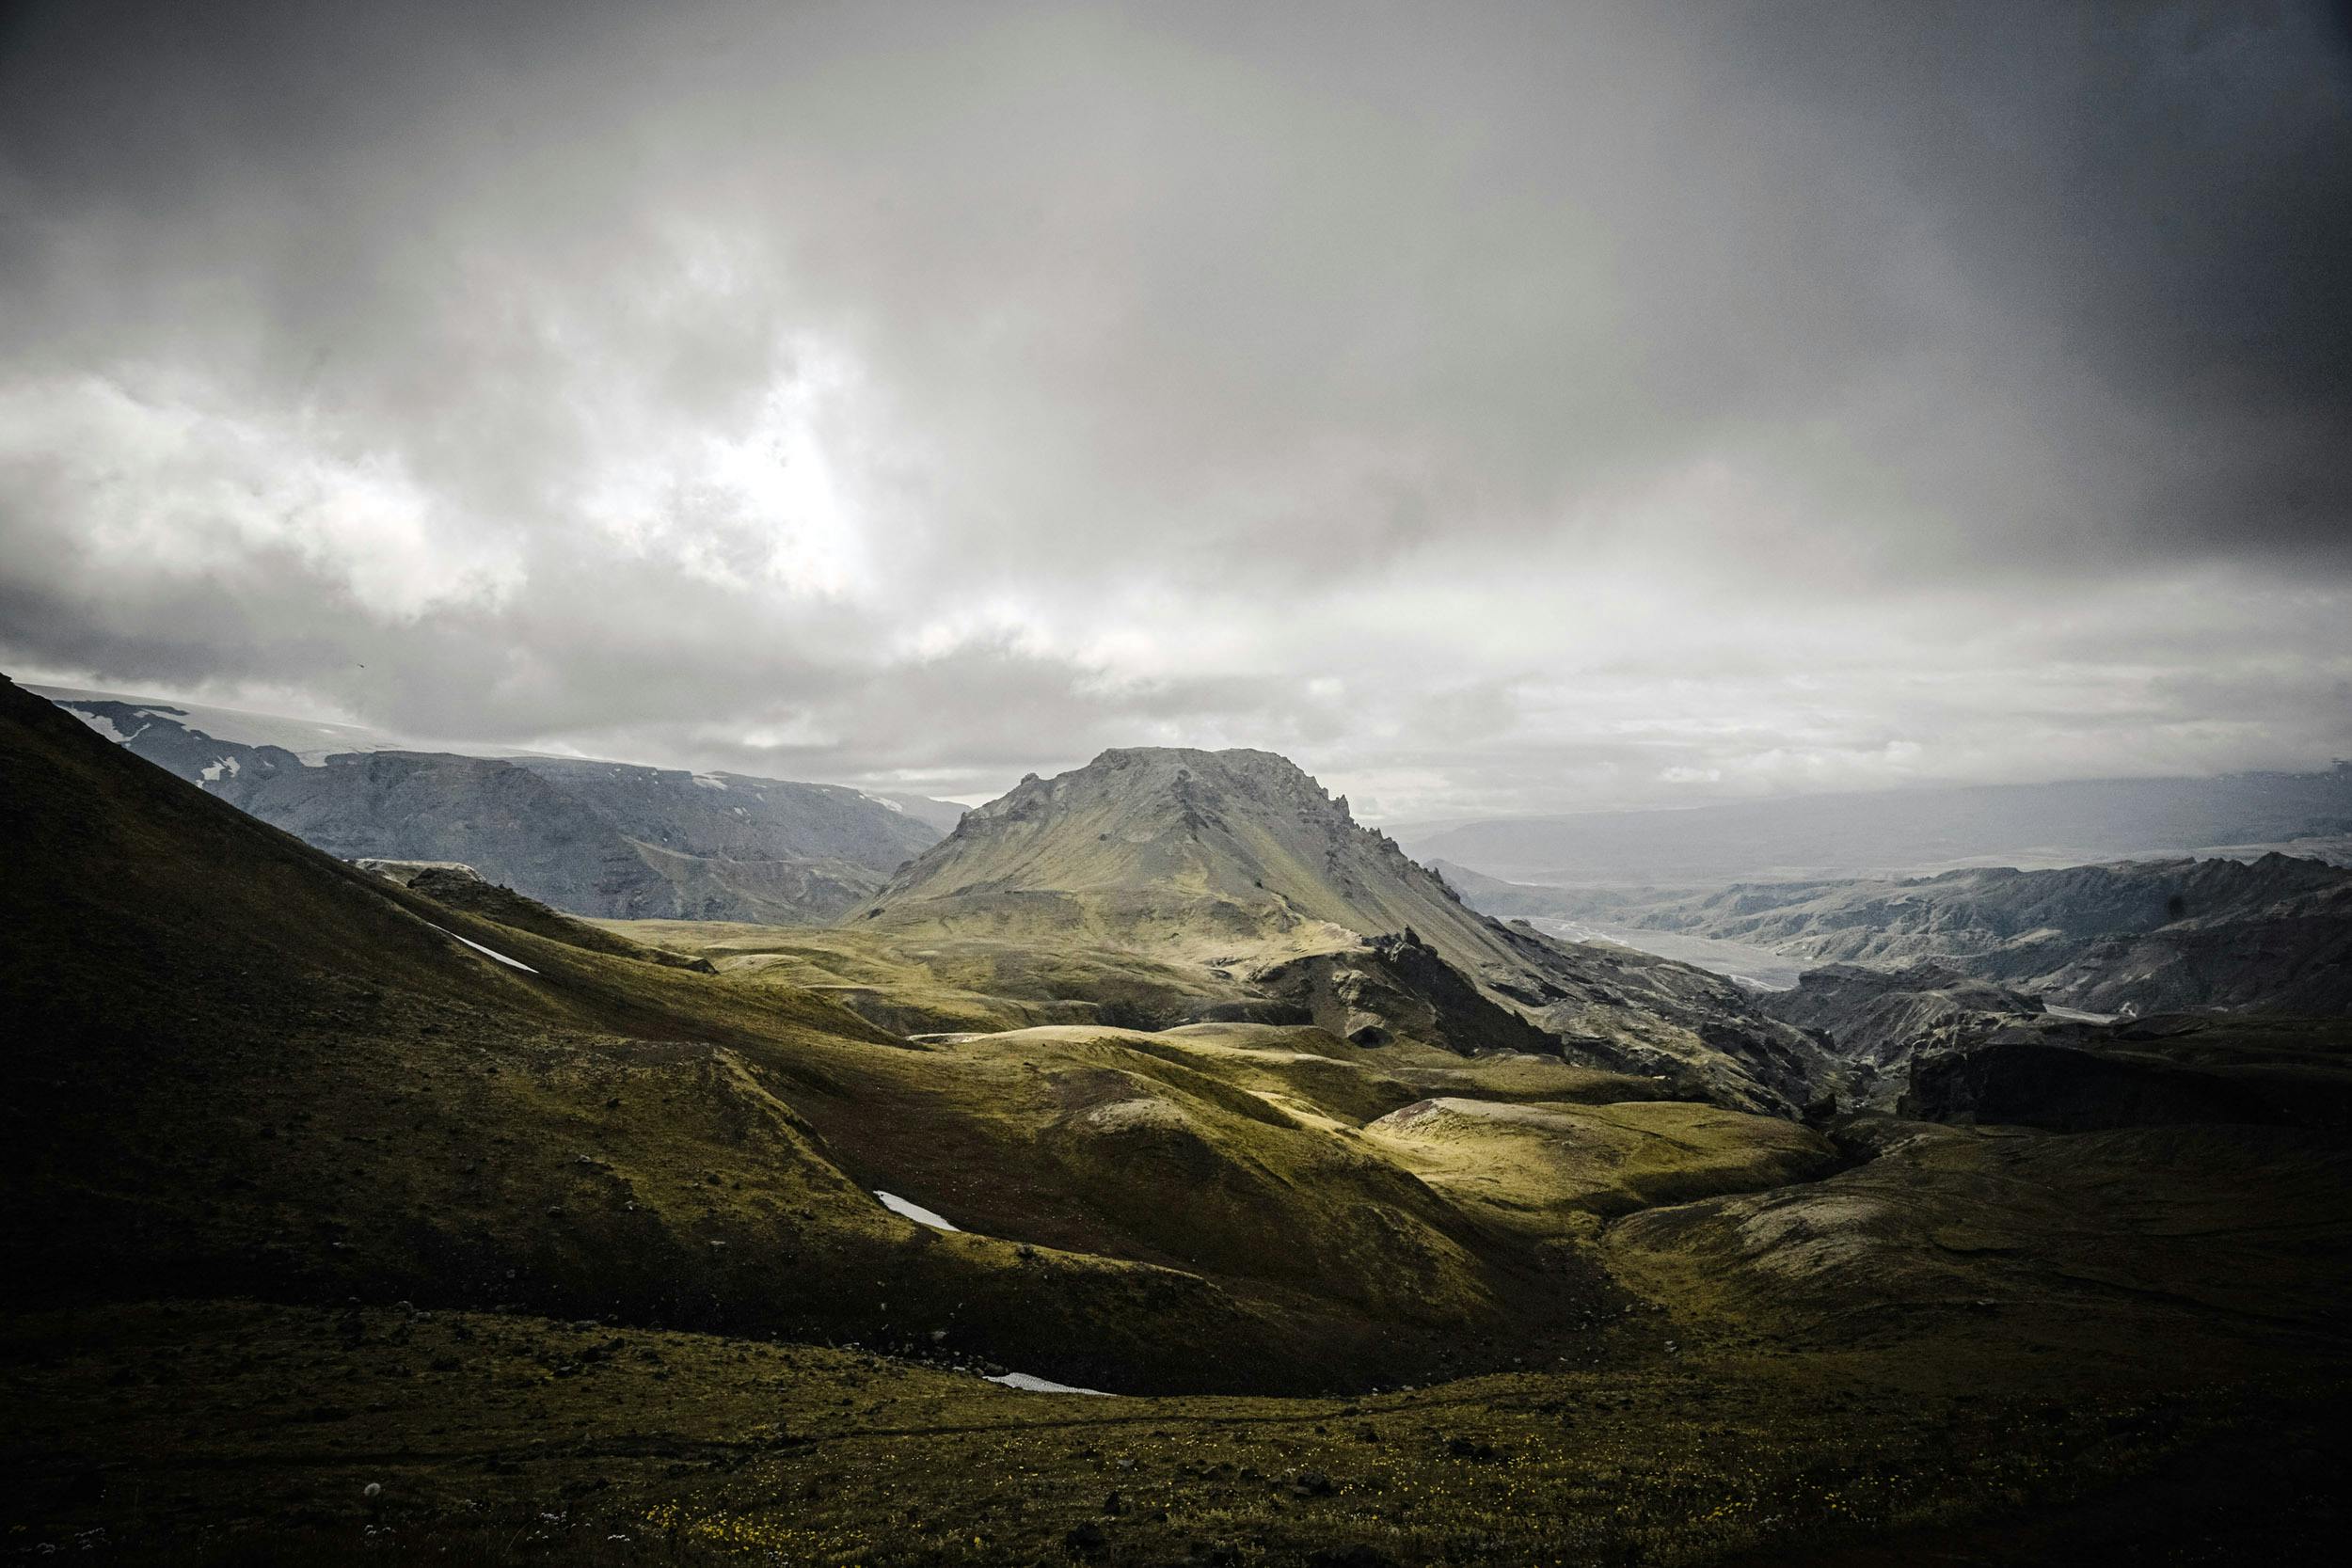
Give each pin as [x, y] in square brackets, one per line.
[225, 1431]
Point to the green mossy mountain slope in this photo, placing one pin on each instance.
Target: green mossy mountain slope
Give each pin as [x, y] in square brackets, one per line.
[1236, 866]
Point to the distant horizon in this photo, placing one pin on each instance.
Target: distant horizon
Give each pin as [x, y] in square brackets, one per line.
[497, 749]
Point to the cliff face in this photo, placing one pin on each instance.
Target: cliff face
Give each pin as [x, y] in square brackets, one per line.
[2163, 1070]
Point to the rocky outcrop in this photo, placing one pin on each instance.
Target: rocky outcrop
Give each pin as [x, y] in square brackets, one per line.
[2165, 1071]
[1398, 987]
[1882, 1017]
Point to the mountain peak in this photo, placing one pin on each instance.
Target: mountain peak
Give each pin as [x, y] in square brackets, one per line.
[1226, 851]
[1238, 861]
[1241, 811]
[1180, 772]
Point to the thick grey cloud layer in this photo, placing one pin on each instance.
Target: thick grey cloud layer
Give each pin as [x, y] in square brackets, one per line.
[1499, 407]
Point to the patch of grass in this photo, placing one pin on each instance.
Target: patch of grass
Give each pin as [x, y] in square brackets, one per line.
[1531, 1163]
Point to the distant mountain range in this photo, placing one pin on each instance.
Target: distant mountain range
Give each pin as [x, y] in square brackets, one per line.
[2274, 933]
[595, 838]
[1911, 831]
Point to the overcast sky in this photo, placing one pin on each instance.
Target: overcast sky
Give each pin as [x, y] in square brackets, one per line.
[1498, 408]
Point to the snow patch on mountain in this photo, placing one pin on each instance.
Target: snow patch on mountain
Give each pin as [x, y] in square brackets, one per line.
[1029, 1384]
[492, 952]
[914, 1211]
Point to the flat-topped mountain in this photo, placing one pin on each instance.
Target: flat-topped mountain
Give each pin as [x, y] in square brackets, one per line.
[1241, 863]
[590, 837]
[1216, 851]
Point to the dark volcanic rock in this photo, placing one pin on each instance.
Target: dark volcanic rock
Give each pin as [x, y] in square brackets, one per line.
[1399, 987]
[1882, 1017]
[2282, 1072]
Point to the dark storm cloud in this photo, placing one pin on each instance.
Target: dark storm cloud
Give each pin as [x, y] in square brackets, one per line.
[2161, 198]
[1510, 406]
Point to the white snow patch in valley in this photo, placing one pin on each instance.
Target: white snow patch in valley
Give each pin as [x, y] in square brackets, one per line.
[511, 963]
[711, 781]
[106, 726]
[213, 770]
[886, 805]
[897, 1205]
[1028, 1385]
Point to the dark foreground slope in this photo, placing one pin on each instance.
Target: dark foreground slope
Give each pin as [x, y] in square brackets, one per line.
[246, 1068]
[595, 838]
